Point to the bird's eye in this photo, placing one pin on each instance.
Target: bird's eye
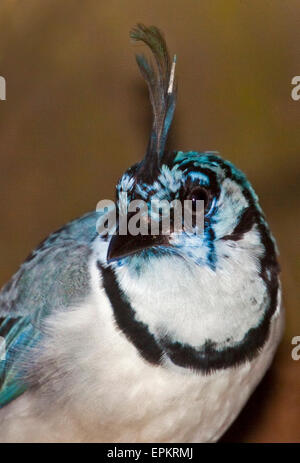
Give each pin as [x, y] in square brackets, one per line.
[199, 194]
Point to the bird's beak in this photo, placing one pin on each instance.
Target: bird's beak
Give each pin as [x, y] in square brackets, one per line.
[125, 245]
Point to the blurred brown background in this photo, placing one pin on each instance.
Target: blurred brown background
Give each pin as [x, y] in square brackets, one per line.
[77, 115]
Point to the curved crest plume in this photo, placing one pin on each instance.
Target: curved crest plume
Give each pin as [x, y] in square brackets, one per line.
[160, 79]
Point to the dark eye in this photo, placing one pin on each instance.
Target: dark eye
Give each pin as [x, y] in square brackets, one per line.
[199, 194]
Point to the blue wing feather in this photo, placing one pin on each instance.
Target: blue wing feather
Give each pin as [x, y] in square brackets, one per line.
[19, 339]
[53, 276]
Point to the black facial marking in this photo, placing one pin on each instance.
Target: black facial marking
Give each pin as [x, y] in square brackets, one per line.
[211, 256]
[135, 331]
[208, 358]
[245, 224]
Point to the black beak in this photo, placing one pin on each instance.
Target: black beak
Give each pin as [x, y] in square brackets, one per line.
[124, 245]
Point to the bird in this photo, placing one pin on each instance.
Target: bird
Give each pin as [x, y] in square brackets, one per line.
[114, 337]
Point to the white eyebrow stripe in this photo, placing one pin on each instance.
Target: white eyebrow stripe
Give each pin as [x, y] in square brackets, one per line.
[203, 178]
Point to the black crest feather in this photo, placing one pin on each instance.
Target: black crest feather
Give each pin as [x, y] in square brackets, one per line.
[162, 90]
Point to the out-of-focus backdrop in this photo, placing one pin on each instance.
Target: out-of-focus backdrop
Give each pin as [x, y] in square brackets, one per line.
[77, 115]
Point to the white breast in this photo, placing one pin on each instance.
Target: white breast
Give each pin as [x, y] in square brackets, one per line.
[192, 303]
[95, 387]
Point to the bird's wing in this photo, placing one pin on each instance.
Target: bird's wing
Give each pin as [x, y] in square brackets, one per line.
[54, 276]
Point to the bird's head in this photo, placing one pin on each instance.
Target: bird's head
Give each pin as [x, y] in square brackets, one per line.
[200, 234]
[199, 297]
